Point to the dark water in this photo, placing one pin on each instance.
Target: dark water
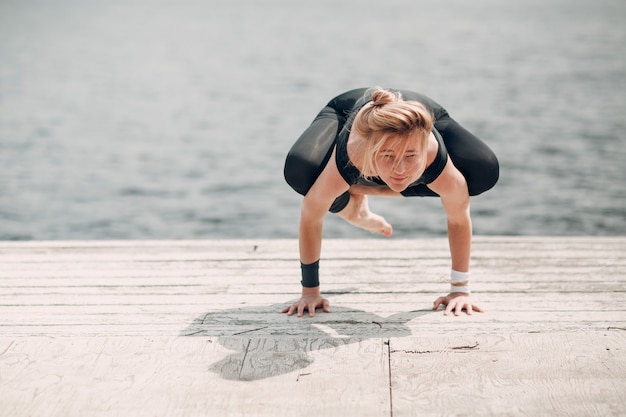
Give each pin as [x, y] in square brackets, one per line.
[147, 119]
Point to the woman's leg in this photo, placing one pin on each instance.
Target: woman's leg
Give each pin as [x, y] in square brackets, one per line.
[470, 155]
[310, 154]
[356, 211]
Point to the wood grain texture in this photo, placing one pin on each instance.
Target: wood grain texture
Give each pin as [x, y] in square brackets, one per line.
[145, 376]
[191, 328]
[577, 374]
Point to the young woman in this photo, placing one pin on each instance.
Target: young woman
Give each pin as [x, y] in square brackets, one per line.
[392, 143]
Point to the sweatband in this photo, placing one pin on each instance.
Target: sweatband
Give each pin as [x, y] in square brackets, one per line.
[310, 274]
[459, 281]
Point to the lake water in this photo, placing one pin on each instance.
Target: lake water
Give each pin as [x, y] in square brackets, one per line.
[149, 119]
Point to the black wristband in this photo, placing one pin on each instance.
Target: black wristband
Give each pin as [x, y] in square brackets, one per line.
[310, 274]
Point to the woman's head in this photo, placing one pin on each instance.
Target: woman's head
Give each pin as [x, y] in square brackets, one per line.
[393, 137]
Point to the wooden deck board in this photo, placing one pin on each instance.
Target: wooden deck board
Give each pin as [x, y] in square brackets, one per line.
[188, 376]
[191, 328]
[511, 374]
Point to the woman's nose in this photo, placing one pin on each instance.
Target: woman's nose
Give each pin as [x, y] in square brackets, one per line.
[400, 167]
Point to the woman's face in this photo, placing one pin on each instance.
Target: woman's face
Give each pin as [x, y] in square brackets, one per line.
[401, 161]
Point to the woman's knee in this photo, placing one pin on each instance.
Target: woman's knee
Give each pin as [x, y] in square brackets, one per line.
[484, 175]
[476, 161]
[310, 153]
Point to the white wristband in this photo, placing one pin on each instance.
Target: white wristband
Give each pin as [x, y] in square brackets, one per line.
[459, 281]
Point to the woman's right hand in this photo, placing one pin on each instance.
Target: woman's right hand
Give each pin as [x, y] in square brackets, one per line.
[310, 300]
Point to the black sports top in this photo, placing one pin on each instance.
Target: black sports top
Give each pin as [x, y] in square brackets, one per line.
[351, 174]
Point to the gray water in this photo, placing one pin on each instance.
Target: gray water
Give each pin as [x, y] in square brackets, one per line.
[146, 119]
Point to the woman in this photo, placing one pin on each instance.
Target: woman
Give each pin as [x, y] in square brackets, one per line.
[391, 143]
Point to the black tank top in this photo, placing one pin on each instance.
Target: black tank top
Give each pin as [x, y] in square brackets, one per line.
[351, 174]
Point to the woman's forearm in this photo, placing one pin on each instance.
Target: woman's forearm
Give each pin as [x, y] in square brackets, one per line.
[460, 241]
[310, 249]
[310, 240]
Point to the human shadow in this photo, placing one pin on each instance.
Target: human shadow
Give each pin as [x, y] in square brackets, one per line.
[267, 343]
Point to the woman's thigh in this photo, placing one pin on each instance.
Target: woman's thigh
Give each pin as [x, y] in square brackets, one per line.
[472, 157]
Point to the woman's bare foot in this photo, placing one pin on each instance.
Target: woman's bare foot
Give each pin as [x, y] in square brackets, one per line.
[358, 213]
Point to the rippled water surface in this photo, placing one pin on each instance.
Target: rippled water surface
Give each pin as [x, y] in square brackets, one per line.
[154, 119]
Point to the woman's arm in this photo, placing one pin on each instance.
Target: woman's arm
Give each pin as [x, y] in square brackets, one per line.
[452, 188]
[329, 185]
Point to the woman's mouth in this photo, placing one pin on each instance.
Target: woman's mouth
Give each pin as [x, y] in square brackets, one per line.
[398, 180]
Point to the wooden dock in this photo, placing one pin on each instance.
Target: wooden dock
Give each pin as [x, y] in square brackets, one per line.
[191, 328]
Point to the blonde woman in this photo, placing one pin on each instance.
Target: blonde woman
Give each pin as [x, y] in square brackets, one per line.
[394, 143]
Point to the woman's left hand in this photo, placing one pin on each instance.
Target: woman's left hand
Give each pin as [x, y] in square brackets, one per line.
[457, 302]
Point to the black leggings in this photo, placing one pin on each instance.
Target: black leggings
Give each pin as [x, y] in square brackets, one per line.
[311, 152]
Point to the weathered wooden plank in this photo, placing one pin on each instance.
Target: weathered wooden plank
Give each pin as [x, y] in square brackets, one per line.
[361, 324]
[499, 300]
[276, 272]
[288, 288]
[495, 305]
[516, 374]
[347, 323]
[484, 247]
[171, 330]
[369, 301]
[357, 251]
[193, 377]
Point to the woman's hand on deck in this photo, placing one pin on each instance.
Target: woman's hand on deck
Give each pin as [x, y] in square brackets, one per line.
[457, 302]
[310, 300]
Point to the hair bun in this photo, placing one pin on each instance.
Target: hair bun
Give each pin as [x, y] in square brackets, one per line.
[380, 97]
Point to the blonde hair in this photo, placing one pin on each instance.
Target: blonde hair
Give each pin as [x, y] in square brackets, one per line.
[387, 115]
